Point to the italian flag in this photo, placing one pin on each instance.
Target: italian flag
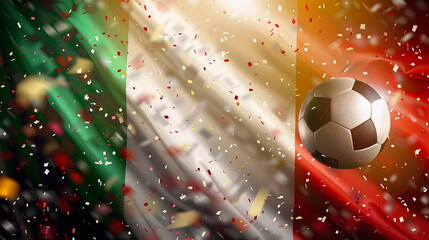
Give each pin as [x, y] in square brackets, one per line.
[181, 115]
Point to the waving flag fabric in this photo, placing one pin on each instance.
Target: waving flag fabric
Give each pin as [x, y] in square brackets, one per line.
[204, 139]
[178, 119]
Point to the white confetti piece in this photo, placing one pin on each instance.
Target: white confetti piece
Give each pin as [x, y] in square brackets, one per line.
[395, 68]
[417, 152]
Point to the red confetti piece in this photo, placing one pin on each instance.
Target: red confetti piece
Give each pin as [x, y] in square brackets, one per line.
[174, 151]
[62, 160]
[249, 64]
[55, 128]
[76, 177]
[86, 116]
[126, 153]
[127, 190]
[293, 21]
[116, 226]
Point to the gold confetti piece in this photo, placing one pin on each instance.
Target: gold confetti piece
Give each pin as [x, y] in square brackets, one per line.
[120, 117]
[132, 130]
[81, 65]
[395, 98]
[184, 219]
[9, 188]
[156, 37]
[259, 201]
[32, 90]
[50, 147]
[110, 182]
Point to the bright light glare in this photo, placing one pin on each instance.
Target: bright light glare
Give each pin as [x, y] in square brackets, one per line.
[238, 6]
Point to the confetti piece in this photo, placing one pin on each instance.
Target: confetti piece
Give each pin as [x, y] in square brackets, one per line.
[184, 219]
[81, 65]
[395, 68]
[9, 188]
[259, 201]
[32, 90]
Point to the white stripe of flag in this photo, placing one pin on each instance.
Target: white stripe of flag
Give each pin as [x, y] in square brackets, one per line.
[185, 123]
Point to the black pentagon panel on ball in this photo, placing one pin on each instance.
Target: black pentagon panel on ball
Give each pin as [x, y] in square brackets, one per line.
[364, 135]
[318, 113]
[365, 90]
[330, 162]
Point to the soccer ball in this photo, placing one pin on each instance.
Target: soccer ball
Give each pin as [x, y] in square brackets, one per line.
[344, 123]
